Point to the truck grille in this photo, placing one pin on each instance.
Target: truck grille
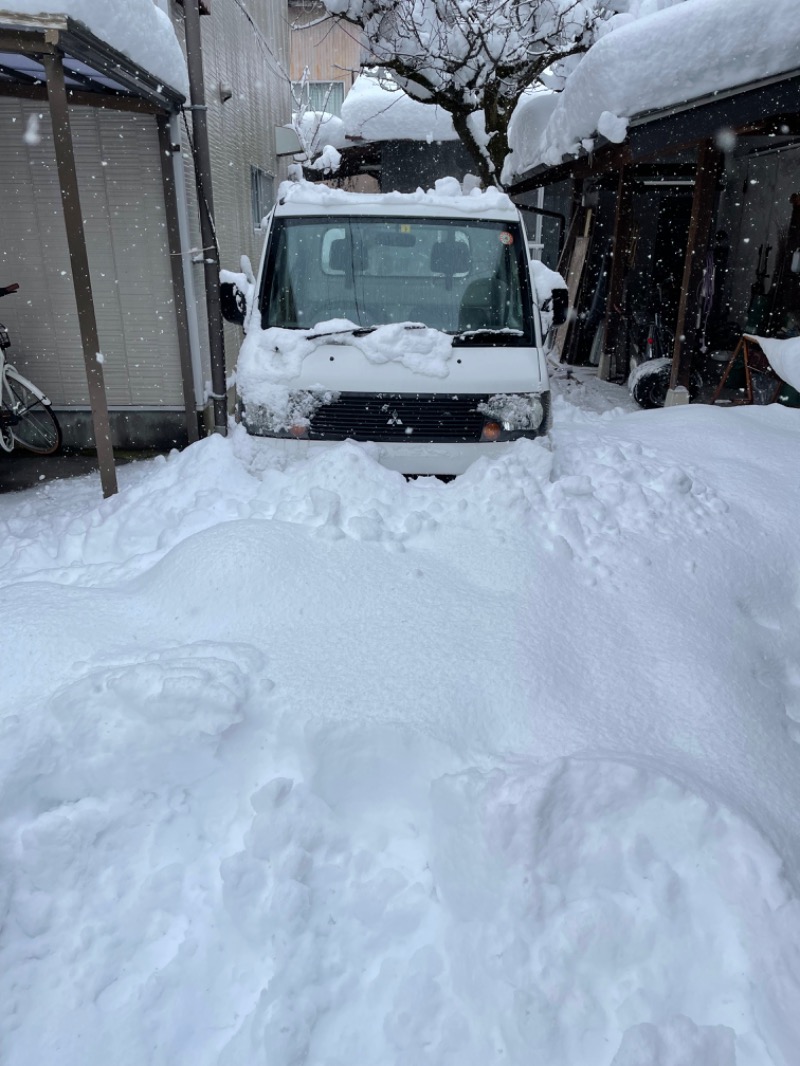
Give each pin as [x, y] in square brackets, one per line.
[399, 417]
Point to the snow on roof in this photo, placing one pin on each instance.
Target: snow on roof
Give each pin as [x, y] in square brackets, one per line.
[375, 110]
[319, 130]
[672, 56]
[447, 197]
[137, 28]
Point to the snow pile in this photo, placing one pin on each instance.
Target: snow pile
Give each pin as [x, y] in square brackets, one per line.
[328, 161]
[305, 763]
[318, 130]
[375, 109]
[531, 115]
[138, 28]
[784, 358]
[677, 53]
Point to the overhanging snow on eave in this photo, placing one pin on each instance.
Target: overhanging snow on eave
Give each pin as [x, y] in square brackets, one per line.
[32, 35]
[678, 125]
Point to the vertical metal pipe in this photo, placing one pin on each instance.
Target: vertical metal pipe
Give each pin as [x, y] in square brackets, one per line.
[202, 161]
[195, 346]
[176, 268]
[79, 261]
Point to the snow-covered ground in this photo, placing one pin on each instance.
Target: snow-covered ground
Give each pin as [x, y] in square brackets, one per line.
[313, 765]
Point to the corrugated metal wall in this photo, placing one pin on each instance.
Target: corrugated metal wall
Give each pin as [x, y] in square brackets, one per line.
[122, 202]
[245, 50]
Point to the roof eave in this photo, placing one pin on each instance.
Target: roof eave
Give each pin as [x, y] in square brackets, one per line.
[75, 40]
[713, 108]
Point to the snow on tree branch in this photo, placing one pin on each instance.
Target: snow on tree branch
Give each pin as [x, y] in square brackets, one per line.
[474, 58]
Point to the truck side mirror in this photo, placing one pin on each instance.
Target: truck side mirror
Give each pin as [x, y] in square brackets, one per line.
[560, 306]
[232, 303]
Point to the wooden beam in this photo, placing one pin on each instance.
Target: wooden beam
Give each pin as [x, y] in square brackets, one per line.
[704, 203]
[25, 42]
[79, 260]
[76, 98]
[205, 6]
[620, 263]
[573, 278]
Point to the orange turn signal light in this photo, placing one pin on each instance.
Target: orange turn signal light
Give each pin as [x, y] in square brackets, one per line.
[298, 431]
[491, 431]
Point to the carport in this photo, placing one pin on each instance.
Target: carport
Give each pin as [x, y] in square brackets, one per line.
[57, 60]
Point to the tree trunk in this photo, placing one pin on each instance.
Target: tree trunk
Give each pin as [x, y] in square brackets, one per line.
[488, 158]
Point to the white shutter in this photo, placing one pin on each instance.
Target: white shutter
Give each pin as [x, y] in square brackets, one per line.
[121, 191]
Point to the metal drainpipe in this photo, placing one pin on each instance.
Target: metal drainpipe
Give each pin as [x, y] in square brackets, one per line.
[202, 160]
[186, 262]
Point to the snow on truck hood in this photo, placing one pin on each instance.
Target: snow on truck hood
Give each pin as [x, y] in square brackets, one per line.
[338, 356]
[277, 355]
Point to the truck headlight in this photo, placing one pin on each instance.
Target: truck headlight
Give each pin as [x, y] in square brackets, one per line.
[513, 415]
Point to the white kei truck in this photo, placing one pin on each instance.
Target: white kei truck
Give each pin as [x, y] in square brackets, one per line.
[416, 321]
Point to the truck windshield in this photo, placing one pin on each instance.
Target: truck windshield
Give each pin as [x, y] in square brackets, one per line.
[452, 275]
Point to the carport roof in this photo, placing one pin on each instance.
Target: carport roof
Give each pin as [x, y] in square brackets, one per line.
[95, 72]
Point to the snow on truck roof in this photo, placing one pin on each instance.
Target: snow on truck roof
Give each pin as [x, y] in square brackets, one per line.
[446, 199]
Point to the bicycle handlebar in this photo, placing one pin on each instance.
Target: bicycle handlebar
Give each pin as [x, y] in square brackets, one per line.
[8, 289]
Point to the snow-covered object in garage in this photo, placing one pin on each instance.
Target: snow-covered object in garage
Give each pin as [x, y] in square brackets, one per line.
[784, 358]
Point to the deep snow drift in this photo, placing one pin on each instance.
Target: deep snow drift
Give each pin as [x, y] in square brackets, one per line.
[316, 765]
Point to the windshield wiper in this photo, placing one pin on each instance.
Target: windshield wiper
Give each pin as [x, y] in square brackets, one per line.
[357, 331]
[361, 331]
[480, 336]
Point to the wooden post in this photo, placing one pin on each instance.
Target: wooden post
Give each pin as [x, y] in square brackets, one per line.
[79, 260]
[573, 278]
[615, 312]
[176, 267]
[687, 325]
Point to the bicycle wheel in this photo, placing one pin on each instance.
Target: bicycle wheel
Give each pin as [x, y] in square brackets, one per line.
[32, 422]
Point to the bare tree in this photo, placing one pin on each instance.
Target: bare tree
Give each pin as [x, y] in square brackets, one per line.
[474, 58]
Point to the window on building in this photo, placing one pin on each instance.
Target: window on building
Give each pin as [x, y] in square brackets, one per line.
[318, 96]
[262, 194]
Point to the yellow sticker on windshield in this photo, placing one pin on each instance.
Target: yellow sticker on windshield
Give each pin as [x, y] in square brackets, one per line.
[405, 227]
[506, 237]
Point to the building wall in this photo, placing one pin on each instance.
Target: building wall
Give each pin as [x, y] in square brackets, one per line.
[409, 165]
[756, 210]
[246, 53]
[121, 191]
[331, 51]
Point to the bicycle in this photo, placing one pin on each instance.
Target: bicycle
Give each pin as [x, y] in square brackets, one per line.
[26, 416]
